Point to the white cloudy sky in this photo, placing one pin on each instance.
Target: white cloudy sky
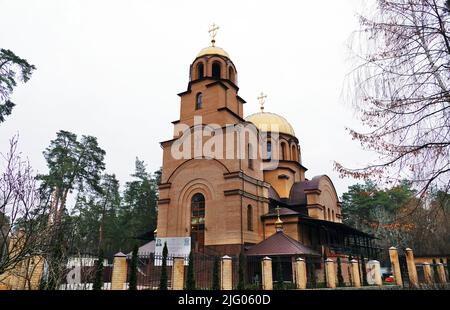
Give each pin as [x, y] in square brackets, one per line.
[112, 69]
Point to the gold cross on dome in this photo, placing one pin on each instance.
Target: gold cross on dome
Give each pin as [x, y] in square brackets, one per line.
[213, 33]
[262, 100]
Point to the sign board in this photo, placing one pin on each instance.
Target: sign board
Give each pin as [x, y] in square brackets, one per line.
[176, 246]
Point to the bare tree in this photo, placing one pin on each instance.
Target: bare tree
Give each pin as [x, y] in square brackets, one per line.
[401, 90]
[23, 228]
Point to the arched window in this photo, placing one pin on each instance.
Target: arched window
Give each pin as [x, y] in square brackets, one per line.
[294, 153]
[216, 70]
[283, 151]
[198, 222]
[200, 70]
[334, 219]
[249, 218]
[231, 74]
[250, 156]
[329, 215]
[199, 101]
[269, 150]
[198, 209]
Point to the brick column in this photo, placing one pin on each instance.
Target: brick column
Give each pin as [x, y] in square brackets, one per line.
[395, 264]
[119, 273]
[412, 272]
[267, 282]
[427, 273]
[226, 274]
[356, 279]
[330, 273]
[441, 273]
[178, 274]
[300, 273]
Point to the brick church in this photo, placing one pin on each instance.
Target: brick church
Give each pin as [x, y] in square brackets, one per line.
[233, 192]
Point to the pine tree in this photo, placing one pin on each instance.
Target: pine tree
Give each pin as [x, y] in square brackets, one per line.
[216, 274]
[190, 283]
[241, 280]
[163, 279]
[339, 273]
[98, 281]
[133, 269]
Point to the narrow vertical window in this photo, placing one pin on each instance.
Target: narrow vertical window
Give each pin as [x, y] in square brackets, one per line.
[200, 71]
[250, 156]
[249, 218]
[231, 74]
[269, 150]
[199, 101]
[283, 151]
[216, 70]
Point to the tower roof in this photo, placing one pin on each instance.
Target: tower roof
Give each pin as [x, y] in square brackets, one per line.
[271, 122]
[213, 50]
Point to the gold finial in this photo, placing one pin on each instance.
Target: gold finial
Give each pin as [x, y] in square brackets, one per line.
[213, 33]
[279, 222]
[262, 100]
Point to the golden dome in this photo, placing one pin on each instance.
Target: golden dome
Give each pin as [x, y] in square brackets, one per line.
[268, 122]
[213, 50]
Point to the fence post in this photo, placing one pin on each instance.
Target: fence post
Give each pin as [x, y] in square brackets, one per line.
[119, 273]
[441, 273]
[412, 271]
[376, 272]
[330, 273]
[178, 273]
[395, 264]
[300, 273]
[355, 273]
[226, 279]
[267, 282]
[427, 273]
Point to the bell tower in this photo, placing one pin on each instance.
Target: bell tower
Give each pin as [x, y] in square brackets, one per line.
[212, 92]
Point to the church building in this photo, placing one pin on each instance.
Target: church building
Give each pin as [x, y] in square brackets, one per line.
[261, 203]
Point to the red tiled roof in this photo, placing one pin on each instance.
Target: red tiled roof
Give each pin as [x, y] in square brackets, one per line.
[280, 244]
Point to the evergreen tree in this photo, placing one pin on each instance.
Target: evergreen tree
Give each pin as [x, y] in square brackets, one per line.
[133, 269]
[98, 281]
[12, 68]
[241, 272]
[190, 283]
[164, 279]
[280, 282]
[216, 274]
[339, 273]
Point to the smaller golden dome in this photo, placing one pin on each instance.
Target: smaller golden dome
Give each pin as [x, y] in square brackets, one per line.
[213, 50]
[271, 122]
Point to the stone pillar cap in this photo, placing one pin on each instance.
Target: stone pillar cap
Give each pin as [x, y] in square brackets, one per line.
[300, 259]
[408, 249]
[226, 257]
[392, 248]
[329, 260]
[120, 254]
[267, 258]
[439, 264]
[373, 261]
[354, 261]
[425, 263]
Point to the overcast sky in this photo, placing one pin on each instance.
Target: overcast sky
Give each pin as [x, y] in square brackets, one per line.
[112, 69]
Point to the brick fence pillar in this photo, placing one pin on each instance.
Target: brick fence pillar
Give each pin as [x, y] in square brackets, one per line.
[412, 271]
[395, 264]
[376, 272]
[226, 274]
[427, 273]
[441, 273]
[330, 273]
[178, 273]
[267, 282]
[300, 273]
[119, 273]
[355, 273]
